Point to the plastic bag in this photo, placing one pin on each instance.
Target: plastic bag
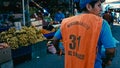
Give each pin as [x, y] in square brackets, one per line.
[51, 48]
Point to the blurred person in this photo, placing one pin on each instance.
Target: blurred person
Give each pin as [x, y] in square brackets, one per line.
[67, 13]
[49, 20]
[107, 7]
[76, 4]
[83, 36]
[118, 19]
[108, 17]
[76, 12]
[39, 16]
[113, 15]
[59, 16]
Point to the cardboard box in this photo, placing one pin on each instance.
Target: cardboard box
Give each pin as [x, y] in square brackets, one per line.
[37, 24]
[5, 55]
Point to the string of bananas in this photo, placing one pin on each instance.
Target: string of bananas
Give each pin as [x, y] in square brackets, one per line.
[24, 37]
[13, 42]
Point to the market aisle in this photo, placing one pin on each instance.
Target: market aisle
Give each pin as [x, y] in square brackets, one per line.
[43, 60]
[49, 61]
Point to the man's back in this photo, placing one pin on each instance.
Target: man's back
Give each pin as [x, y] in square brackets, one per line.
[80, 42]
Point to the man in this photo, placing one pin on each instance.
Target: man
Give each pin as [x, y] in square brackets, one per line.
[59, 16]
[76, 5]
[108, 17]
[83, 35]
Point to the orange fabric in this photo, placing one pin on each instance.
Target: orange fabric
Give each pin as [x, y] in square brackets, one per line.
[44, 31]
[80, 36]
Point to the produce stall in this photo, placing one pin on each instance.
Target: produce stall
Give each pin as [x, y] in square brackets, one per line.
[21, 42]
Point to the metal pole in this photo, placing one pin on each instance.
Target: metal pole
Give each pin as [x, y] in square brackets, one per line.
[23, 12]
[28, 13]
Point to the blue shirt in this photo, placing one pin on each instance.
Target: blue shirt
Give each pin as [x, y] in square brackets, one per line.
[105, 39]
[59, 16]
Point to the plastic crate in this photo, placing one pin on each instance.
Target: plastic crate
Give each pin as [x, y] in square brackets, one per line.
[5, 55]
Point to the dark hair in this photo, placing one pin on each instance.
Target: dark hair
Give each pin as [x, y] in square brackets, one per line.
[91, 3]
[106, 11]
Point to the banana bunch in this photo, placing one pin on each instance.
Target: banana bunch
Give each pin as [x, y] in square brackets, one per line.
[8, 38]
[11, 30]
[13, 42]
[31, 36]
[24, 28]
[23, 37]
[40, 36]
[34, 30]
[3, 37]
[22, 40]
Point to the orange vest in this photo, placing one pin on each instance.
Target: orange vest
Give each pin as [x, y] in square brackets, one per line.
[80, 36]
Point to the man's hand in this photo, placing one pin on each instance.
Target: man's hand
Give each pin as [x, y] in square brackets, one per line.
[110, 53]
[3, 45]
[60, 52]
[108, 63]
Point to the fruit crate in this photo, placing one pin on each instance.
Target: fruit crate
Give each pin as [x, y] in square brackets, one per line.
[5, 54]
[22, 54]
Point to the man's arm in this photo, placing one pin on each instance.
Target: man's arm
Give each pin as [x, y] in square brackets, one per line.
[56, 39]
[108, 42]
[110, 53]
[56, 43]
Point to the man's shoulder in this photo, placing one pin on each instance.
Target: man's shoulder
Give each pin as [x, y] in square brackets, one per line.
[104, 22]
[69, 18]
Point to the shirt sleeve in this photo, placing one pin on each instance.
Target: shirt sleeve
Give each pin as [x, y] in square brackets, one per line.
[58, 34]
[106, 37]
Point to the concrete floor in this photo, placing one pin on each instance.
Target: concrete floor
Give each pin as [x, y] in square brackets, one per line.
[42, 59]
